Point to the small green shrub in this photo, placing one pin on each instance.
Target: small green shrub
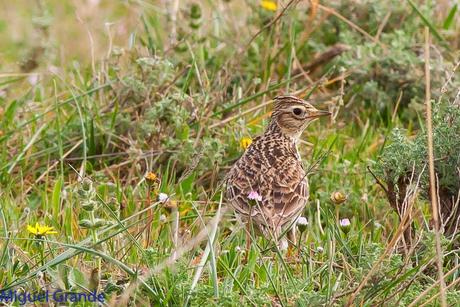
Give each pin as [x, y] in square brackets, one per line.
[405, 159]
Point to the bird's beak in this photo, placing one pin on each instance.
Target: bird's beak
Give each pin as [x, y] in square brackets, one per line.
[319, 113]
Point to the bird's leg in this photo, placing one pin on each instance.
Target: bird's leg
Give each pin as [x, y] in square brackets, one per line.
[292, 236]
[292, 241]
[281, 241]
[282, 244]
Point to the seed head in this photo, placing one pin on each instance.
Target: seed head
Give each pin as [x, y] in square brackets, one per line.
[338, 198]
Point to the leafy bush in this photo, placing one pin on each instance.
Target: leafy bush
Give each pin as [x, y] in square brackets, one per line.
[405, 158]
[393, 68]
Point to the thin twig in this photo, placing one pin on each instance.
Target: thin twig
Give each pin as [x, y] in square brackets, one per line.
[382, 26]
[272, 22]
[395, 111]
[377, 180]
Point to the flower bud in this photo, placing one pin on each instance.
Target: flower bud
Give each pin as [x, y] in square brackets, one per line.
[302, 224]
[254, 198]
[338, 198]
[345, 224]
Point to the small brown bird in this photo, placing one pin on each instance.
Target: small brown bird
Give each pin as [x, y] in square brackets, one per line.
[267, 186]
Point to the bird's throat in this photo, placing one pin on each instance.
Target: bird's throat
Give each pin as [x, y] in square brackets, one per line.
[291, 134]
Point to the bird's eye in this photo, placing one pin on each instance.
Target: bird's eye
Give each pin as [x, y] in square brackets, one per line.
[297, 111]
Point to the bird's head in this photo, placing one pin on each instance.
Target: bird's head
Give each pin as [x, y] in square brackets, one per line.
[292, 115]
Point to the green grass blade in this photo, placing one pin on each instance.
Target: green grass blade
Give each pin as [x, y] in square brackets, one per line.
[427, 22]
[450, 18]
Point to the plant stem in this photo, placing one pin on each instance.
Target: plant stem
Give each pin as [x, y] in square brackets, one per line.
[434, 199]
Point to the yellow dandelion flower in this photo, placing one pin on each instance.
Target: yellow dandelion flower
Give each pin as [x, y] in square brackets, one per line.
[338, 198]
[245, 142]
[269, 5]
[151, 177]
[41, 230]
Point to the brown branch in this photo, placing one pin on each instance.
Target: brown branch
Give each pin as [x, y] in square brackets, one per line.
[326, 56]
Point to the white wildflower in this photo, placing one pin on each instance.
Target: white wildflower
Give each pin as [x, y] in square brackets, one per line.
[345, 222]
[163, 197]
[302, 223]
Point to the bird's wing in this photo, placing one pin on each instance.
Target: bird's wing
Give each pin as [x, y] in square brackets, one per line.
[289, 191]
[241, 180]
[283, 187]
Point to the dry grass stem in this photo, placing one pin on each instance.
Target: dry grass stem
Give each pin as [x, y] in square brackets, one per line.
[434, 197]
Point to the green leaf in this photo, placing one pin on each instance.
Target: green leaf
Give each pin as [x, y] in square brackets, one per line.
[10, 112]
[450, 18]
[183, 132]
[186, 185]
[77, 279]
[150, 41]
[56, 199]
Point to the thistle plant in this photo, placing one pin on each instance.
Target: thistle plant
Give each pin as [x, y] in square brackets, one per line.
[90, 205]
